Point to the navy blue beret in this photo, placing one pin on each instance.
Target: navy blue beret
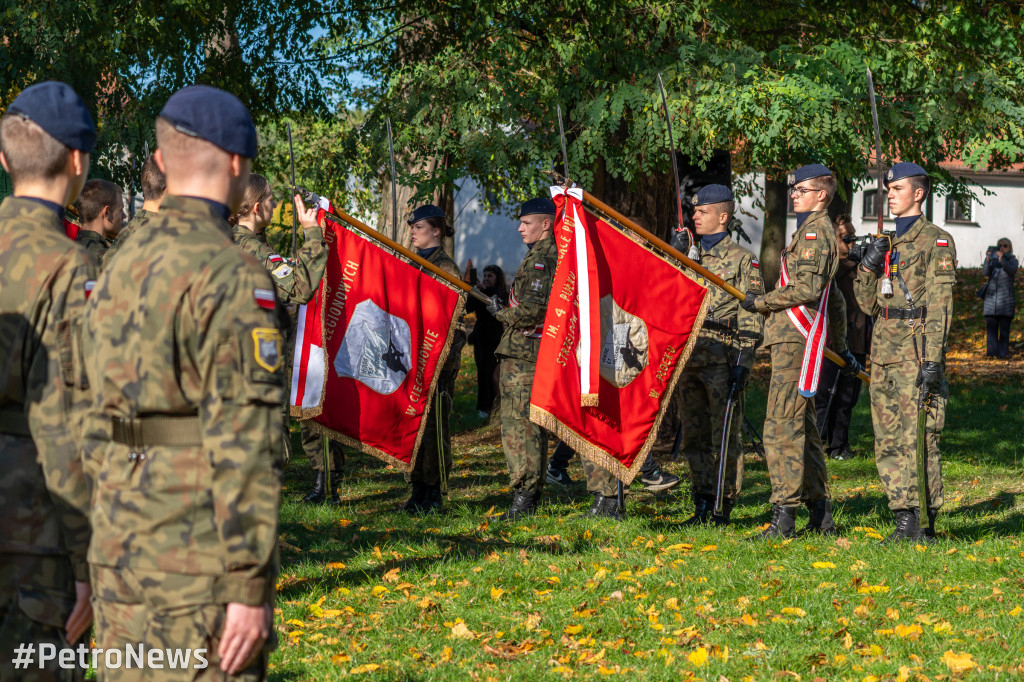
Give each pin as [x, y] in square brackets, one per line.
[58, 110]
[424, 212]
[711, 194]
[904, 169]
[212, 115]
[813, 170]
[538, 206]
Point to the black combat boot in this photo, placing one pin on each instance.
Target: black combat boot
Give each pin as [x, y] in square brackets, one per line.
[333, 485]
[782, 526]
[704, 506]
[821, 518]
[317, 494]
[908, 527]
[606, 507]
[431, 503]
[414, 505]
[524, 503]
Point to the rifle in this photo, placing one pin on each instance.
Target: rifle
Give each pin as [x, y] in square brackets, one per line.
[622, 221]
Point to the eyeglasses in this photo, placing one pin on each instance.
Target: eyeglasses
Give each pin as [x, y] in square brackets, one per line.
[1004, 246]
[801, 191]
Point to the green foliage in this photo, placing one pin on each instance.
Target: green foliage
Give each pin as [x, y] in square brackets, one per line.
[779, 84]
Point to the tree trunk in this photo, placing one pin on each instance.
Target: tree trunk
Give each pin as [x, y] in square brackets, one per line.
[773, 239]
[653, 198]
[443, 197]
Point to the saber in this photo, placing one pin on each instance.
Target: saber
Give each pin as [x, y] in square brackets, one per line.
[622, 221]
[822, 428]
[394, 183]
[693, 253]
[295, 218]
[561, 135]
[723, 452]
[924, 495]
[886, 280]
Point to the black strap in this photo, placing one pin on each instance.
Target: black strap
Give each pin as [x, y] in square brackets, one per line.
[903, 313]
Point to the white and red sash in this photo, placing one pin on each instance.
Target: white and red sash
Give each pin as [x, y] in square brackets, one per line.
[814, 329]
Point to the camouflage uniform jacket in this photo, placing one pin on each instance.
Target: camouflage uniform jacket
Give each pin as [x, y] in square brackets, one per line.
[95, 243]
[142, 217]
[927, 262]
[44, 283]
[729, 330]
[182, 329]
[294, 283]
[441, 259]
[812, 260]
[528, 303]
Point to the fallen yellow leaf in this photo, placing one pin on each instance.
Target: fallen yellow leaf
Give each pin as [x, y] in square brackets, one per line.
[336, 565]
[380, 590]
[360, 669]
[958, 663]
[823, 564]
[698, 657]
[460, 631]
[391, 576]
[672, 604]
[496, 593]
[573, 629]
[909, 631]
[338, 659]
[794, 611]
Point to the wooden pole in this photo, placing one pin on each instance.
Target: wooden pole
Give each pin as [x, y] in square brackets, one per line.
[696, 267]
[414, 257]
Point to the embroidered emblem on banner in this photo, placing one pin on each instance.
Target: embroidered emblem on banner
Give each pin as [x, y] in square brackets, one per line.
[267, 348]
[624, 347]
[376, 350]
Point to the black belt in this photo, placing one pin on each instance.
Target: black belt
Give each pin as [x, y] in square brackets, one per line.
[721, 324]
[13, 422]
[903, 313]
[143, 432]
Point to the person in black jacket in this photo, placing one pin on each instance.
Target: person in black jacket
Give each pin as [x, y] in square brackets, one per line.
[485, 337]
[1000, 300]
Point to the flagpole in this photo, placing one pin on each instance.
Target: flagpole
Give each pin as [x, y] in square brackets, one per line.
[416, 258]
[696, 267]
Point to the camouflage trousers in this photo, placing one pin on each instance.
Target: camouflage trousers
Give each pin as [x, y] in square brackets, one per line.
[894, 419]
[796, 458]
[525, 443]
[36, 597]
[165, 611]
[703, 392]
[313, 446]
[436, 442]
[599, 480]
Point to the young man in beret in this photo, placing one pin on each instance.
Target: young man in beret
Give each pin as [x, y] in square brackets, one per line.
[46, 136]
[794, 310]
[721, 360]
[525, 443]
[908, 347]
[101, 212]
[154, 186]
[183, 436]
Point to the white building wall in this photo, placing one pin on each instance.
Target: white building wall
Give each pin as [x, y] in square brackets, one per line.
[483, 236]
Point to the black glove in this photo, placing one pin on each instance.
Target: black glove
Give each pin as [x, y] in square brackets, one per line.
[495, 305]
[929, 379]
[738, 377]
[748, 303]
[852, 367]
[874, 255]
[680, 241]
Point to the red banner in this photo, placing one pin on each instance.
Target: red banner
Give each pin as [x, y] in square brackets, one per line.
[369, 345]
[647, 315]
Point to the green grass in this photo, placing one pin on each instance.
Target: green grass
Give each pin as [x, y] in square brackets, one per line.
[460, 596]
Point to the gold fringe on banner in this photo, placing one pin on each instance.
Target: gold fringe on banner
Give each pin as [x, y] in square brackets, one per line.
[588, 400]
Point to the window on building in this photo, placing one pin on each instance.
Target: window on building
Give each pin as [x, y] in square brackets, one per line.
[871, 205]
[958, 211]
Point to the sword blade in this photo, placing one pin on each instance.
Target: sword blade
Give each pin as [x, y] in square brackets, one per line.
[394, 183]
[672, 151]
[723, 454]
[923, 494]
[561, 134]
[295, 219]
[878, 146]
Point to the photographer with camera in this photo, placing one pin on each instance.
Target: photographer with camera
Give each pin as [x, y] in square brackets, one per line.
[834, 402]
[1000, 300]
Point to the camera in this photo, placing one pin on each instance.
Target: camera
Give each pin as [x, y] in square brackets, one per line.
[991, 252]
[858, 245]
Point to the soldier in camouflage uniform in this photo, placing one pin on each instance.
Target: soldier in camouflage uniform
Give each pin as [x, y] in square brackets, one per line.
[722, 357]
[908, 346]
[183, 436]
[525, 443]
[154, 185]
[796, 457]
[296, 283]
[428, 230]
[101, 212]
[45, 136]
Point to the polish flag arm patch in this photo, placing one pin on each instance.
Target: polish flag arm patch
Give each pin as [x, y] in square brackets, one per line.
[538, 266]
[811, 236]
[755, 264]
[264, 298]
[274, 258]
[90, 284]
[941, 242]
